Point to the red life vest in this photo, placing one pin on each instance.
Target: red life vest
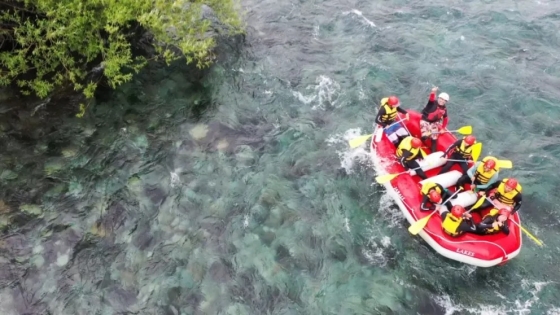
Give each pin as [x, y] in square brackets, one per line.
[436, 115]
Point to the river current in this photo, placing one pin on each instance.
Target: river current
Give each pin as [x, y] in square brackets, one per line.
[239, 194]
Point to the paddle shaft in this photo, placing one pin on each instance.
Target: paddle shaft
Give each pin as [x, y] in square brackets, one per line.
[396, 122]
[539, 242]
[412, 169]
[439, 132]
[452, 160]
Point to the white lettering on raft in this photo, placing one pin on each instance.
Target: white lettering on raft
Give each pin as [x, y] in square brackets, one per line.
[465, 252]
[398, 192]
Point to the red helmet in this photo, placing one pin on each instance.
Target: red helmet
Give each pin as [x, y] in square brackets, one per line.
[393, 101]
[416, 143]
[511, 183]
[470, 140]
[435, 196]
[505, 211]
[490, 164]
[457, 211]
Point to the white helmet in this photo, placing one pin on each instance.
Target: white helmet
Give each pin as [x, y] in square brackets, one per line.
[444, 96]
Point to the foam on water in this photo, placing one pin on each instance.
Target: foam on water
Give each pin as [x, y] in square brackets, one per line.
[390, 212]
[377, 242]
[326, 93]
[359, 14]
[507, 306]
[349, 157]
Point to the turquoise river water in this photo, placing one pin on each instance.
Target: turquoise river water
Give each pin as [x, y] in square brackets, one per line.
[239, 194]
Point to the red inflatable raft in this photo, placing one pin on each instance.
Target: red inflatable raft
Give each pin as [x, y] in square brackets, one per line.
[477, 250]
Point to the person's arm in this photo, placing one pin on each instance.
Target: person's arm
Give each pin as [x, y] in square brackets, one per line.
[380, 113]
[432, 96]
[445, 119]
[484, 226]
[430, 104]
[424, 206]
[402, 111]
[494, 185]
[473, 168]
[517, 199]
[453, 146]
[492, 180]
[505, 228]
[486, 223]
[405, 155]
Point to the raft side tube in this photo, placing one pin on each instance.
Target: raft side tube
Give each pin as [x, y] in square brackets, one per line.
[431, 161]
[465, 199]
[378, 133]
[446, 180]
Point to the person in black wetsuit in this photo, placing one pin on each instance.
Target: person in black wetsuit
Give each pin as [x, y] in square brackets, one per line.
[504, 193]
[462, 150]
[407, 153]
[456, 222]
[432, 194]
[494, 222]
[387, 116]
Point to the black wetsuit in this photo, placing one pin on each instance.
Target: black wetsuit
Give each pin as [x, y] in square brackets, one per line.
[466, 225]
[485, 226]
[380, 114]
[428, 205]
[456, 155]
[517, 199]
[412, 163]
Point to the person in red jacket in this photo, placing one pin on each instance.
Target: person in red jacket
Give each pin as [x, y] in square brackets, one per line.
[434, 117]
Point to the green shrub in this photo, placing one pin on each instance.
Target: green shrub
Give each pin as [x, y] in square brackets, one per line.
[54, 41]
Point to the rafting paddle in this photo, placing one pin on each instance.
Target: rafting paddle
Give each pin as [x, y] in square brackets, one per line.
[536, 240]
[465, 130]
[500, 163]
[477, 204]
[417, 226]
[356, 142]
[539, 242]
[505, 164]
[476, 150]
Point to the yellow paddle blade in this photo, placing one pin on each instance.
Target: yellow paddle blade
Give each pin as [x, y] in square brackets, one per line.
[532, 237]
[505, 164]
[476, 150]
[382, 179]
[419, 225]
[478, 203]
[356, 142]
[465, 130]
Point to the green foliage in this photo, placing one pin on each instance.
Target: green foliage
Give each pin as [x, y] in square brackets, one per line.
[56, 39]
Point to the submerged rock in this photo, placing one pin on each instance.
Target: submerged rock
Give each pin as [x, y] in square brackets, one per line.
[245, 155]
[120, 299]
[199, 131]
[221, 271]
[53, 166]
[70, 151]
[8, 175]
[31, 209]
